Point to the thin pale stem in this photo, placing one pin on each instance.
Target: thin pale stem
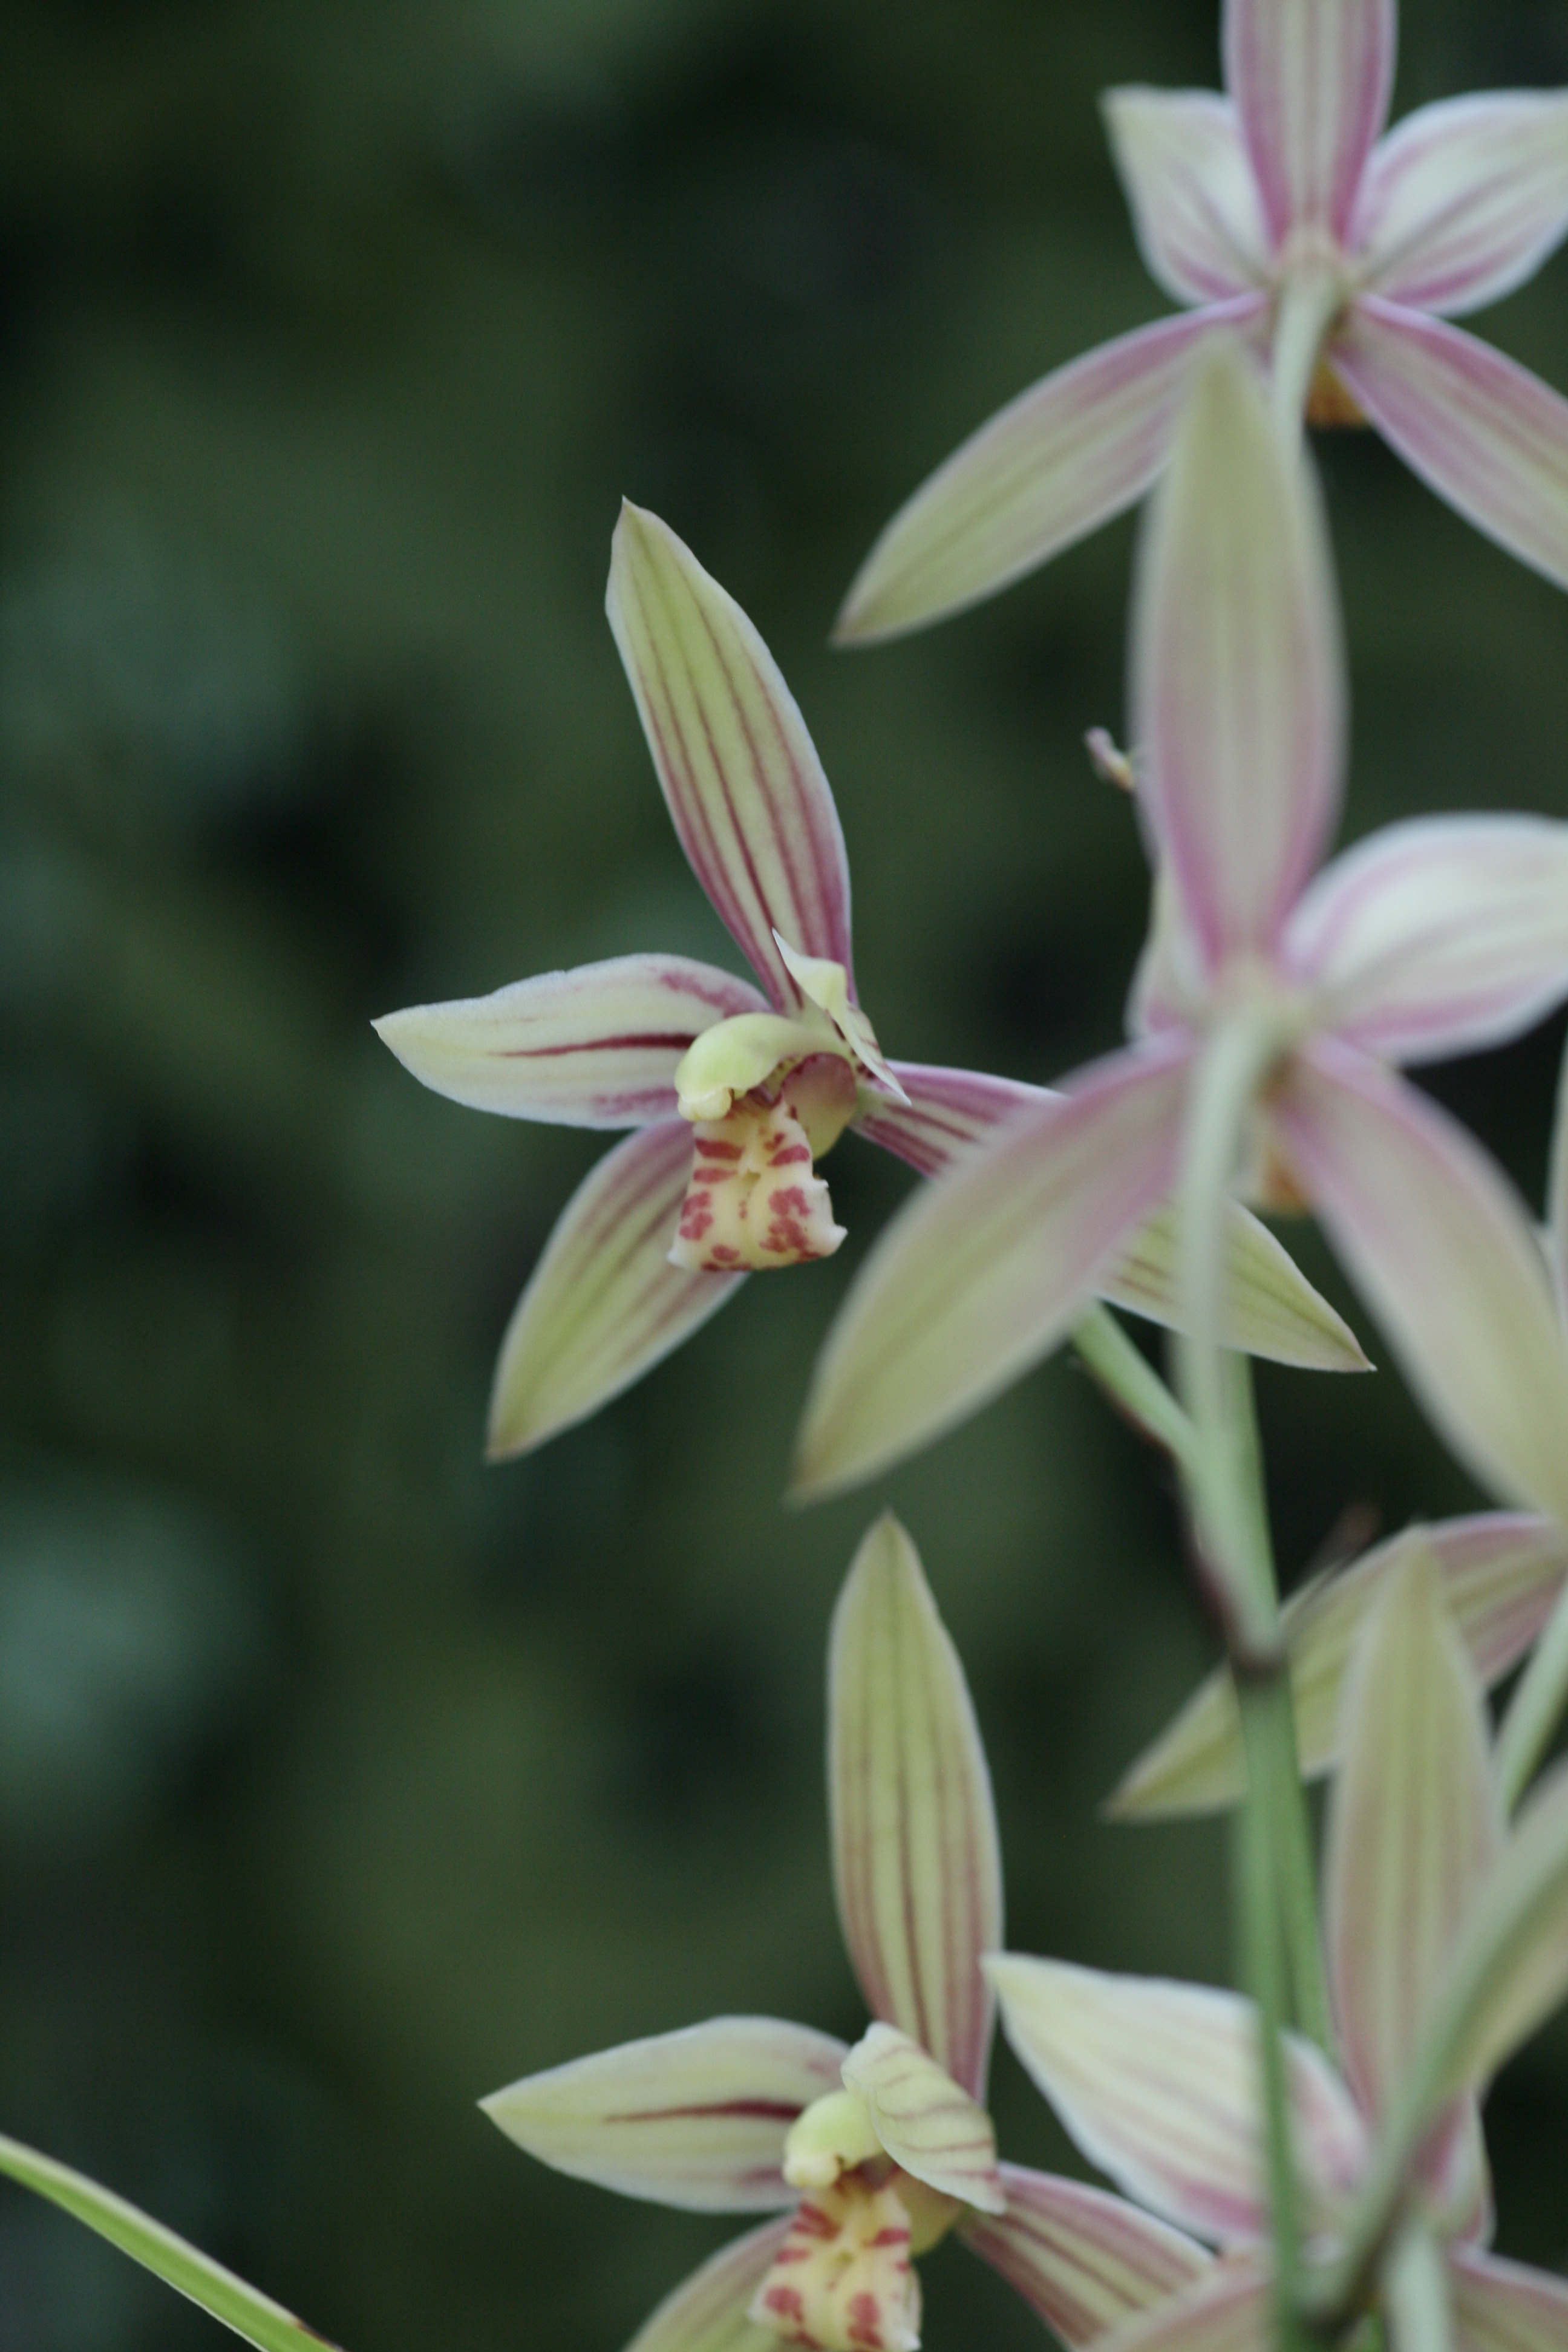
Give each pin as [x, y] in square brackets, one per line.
[1312, 295]
[1535, 1711]
[1262, 1956]
[1126, 1374]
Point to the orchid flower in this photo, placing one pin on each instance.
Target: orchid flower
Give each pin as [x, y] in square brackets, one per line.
[870, 2155]
[1447, 1946]
[1281, 211]
[733, 1092]
[1503, 1573]
[1270, 1009]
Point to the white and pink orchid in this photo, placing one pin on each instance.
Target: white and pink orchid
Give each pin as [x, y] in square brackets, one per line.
[1272, 1005]
[872, 2154]
[1286, 215]
[733, 1091]
[1447, 1945]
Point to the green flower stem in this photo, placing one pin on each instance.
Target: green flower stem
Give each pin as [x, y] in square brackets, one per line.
[1535, 1710]
[1129, 1379]
[1275, 1912]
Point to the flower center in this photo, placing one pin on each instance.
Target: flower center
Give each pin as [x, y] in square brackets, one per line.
[841, 2281]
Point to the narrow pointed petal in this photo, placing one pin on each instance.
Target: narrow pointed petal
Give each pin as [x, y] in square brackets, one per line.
[978, 1278]
[1413, 1825]
[1557, 1196]
[1083, 2259]
[739, 771]
[1439, 936]
[1237, 672]
[1312, 81]
[1464, 200]
[924, 2119]
[594, 1047]
[1194, 197]
[1502, 1572]
[695, 2119]
[1440, 1246]
[916, 1863]
[708, 2312]
[1159, 2085]
[1481, 431]
[1079, 446]
[193, 2274]
[1510, 1968]
[1506, 2307]
[604, 1305]
[1231, 2309]
[1271, 1309]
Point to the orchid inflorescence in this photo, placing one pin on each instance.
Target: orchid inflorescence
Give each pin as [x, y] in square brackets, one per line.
[1300, 2162]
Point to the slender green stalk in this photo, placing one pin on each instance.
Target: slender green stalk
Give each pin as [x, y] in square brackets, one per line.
[1126, 1374]
[1276, 1913]
[1535, 1710]
[1311, 296]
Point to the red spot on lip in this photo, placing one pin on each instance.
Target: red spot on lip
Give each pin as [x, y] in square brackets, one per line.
[866, 2322]
[815, 2223]
[710, 1149]
[787, 2301]
[790, 1155]
[891, 2237]
[722, 1253]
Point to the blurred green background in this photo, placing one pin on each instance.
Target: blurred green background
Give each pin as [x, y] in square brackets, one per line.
[342, 1779]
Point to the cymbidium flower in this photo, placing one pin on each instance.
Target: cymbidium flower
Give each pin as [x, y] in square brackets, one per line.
[1283, 215]
[1447, 1945]
[1272, 1006]
[734, 1092]
[871, 2154]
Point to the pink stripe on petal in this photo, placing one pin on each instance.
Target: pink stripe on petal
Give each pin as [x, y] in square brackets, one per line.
[1077, 449]
[604, 1305]
[1441, 1247]
[1489, 437]
[916, 1864]
[1194, 197]
[1237, 671]
[1311, 80]
[1504, 2306]
[1231, 2309]
[948, 1114]
[980, 1275]
[1437, 936]
[1084, 2260]
[739, 771]
[593, 1047]
[1159, 2085]
[1464, 200]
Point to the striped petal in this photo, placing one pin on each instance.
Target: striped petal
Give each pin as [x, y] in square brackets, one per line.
[925, 2121]
[1557, 1196]
[1272, 1309]
[604, 1304]
[1158, 2083]
[594, 1047]
[916, 1863]
[1413, 1826]
[979, 1276]
[1441, 1248]
[695, 2119]
[1310, 79]
[1083, 2259]
[1439, 936]
[1231, 2309]
[1503, 2308]
[1464, 199]
[1481, 431]
[738, 773]
[1190, 185]
[1077, 448]
[191, 2273]
[1509, 1970]
[1236, 669]
[709, 2312]
[1502, 1572]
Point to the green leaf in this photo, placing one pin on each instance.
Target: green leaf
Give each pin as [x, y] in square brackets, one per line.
[253, 2316]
